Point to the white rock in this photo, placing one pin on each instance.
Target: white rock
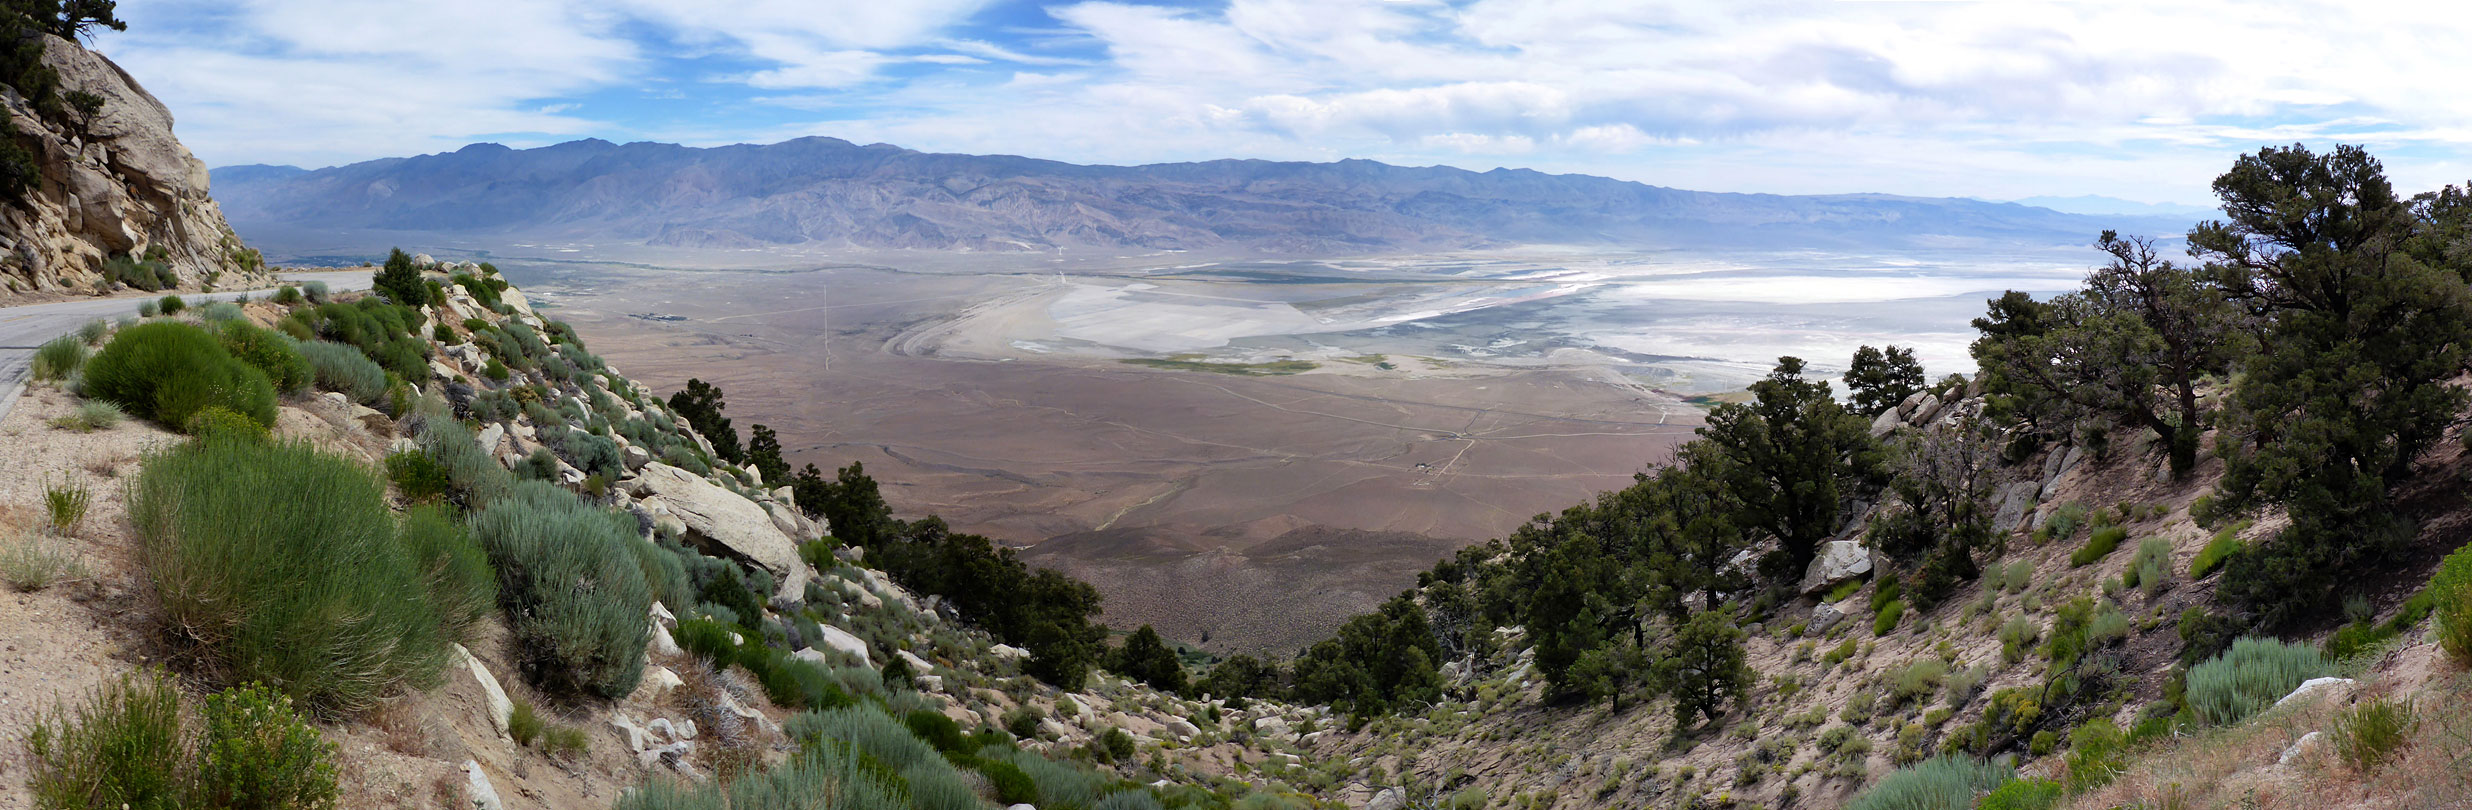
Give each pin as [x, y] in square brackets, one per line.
[2301, 747]
[1274, 728]
[636, 457]
[637, 738]
[477, 789]
[661, 615]
[1389, 798]
[840, 639]
[489, 437]
[1923, 412]
[1182, 728]
[658, 681]
[1022, 807]
[726, 519]
[2313, 687]
[2015, 499]
[1886, 423]
[786, 520]
[1050, 729]
[500, 708]
[928, 683]
[1822, 618]
[1009, 651]
[917, 665]
[1837, 561]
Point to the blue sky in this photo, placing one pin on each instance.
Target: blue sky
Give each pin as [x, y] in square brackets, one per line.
[2140, 100]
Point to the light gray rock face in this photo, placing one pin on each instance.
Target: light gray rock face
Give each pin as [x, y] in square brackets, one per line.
[1823, 617]
[1389, 798]
[2015, 500]
[478, 793]
[1837, 561]
[119, 184]
[839, 639]
[1887, 423]
[501, 710]
[1923, 412]
[1274, 728]
[722, 521]
[2312, 688]
[2302, 747]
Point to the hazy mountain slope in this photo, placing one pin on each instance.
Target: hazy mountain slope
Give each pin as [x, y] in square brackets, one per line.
[838, 194]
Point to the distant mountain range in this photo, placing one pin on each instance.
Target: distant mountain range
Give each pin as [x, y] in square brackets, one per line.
[2112, 206]
[835, 194]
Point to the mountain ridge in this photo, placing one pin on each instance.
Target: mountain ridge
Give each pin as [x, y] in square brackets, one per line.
[834, 193]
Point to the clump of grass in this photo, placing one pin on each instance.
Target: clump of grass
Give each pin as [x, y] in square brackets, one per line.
[219, 312]
[2019, 575]
[91, 415]
[2151, 569]
[59, 357]
[2023, 794]
[32, 563]
[148, 308]
[125, 747]
[2449, 597]
[2098, 545]
[1940, 782]
[167, 371]
[2225, 544]
[2367, 734]
[1918, 681]
[92, 332]
[2250, 677]
[2065, 521]
[257, 548]
[525, 722]
[1843, 590]
[286, 295]
[452, 566]
[65, 503]
[547, 546]
[1886, 620]
[170, 305]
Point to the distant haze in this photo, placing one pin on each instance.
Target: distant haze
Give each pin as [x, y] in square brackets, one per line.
[829, 193]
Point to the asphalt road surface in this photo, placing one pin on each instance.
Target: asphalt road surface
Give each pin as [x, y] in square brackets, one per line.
[24, 328]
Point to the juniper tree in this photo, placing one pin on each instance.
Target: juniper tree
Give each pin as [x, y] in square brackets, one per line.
[1878, 379]
[399, 281]
[2360, 335]
[1787, 461]
[1705, 668]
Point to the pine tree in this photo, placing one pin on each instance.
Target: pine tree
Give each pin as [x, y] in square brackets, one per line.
[1705, 668]
[1787, 460]
[764, 451]
[1878, 380]
[399, 281]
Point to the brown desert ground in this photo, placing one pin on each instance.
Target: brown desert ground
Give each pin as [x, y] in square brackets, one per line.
[1255, 512]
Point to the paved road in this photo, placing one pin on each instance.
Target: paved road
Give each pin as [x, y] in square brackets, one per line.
[23, 328]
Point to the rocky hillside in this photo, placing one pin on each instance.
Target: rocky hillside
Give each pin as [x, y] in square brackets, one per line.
[835, 194]
[765, 643]
[112, 199]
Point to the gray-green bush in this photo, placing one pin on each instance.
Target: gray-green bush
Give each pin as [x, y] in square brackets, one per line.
[572, 587]
[1939, 783]
[345, 370]
[453, 566]
[59, 357]
[2250, 677]
[274, 353]
[282, 564]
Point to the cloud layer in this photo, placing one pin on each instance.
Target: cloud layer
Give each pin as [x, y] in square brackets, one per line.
[2001, 99]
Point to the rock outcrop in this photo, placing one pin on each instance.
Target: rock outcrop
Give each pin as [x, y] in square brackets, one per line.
[722, 521]
[116, 184]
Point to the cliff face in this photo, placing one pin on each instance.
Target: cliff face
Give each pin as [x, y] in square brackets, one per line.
[118, 184]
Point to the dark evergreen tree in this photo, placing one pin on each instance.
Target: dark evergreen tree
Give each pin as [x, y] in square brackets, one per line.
[1705, 668]
[701, 403]
[1147, 658]
[1879, 380]
[2350, 388]
[1787, 461]
[764, 452]
[1241, 676]
[399, 281]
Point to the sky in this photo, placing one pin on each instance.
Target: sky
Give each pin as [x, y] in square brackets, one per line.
[2145, 101]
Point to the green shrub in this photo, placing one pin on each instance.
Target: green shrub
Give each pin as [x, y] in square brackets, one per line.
[2019, 575]
[574, 594]
[1840, 653]
[2098, 545]
[1060, 784]
[167, 371]
[274, 353]
[257, 754]
[65, 504]
[592, 453]
[564, 742]
[453, 567]
[59, 357]
[2250, 677]
[1940, 783]
[150, 274]
[937, 730]
[2065, 521]
[2225, 544]
[1119, 745]
[2151, 569]
[1918, 681]
[315, 291]
[495, 370]
[2024, 794]
[91, 415]
[2095, 755]
[217, 422]
[1010, 784]
[287, 295]
[2369, 732]
[878, 735]
[2018, 635]
[148, 308]
[92, 332]
[1023, 722]
[474, 476]
[1886, 619]
[2450, 599]
[525, 722]
[419, 478]
[256, 548]
[171, 305]
[124, 748]
[935, 785]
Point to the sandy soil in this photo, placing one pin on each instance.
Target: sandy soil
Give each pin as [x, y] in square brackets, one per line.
[919, 377]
